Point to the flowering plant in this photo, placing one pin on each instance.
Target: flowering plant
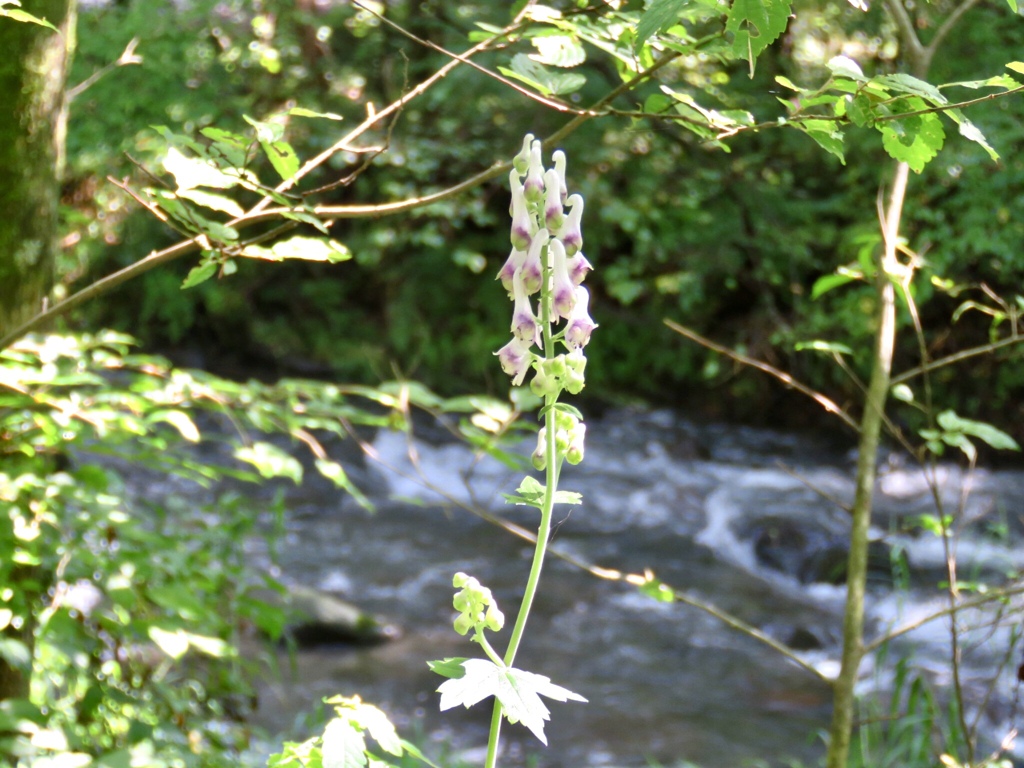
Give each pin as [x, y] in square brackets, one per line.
[543, 276]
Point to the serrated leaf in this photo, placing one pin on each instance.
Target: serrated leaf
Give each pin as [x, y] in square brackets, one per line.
[519, 693]
[200, 274]
[756, 24]
[282, 157]
[344, 746]
[915, 140]
[659, 16]
[558, 50]
[212, 201]
[533, 73]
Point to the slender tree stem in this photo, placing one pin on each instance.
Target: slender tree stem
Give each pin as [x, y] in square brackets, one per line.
[871, 425]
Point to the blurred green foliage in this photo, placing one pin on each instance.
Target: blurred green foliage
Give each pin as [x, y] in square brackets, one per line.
[728, 243]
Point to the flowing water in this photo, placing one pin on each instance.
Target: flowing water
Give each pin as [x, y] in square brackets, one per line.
[734, 516]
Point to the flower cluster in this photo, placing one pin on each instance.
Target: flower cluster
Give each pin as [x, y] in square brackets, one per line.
[569, 435]
[475, 605]
[546, 259]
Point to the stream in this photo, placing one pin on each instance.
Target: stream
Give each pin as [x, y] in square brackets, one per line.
[743, 518]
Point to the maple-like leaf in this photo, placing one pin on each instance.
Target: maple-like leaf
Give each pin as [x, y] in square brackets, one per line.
[519, 693]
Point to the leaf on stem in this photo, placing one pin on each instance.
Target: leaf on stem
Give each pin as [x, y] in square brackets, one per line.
[519, 693]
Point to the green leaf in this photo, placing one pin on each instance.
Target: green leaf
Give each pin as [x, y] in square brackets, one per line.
[903, 393]
[558, 51]
[18, 15]
[271, 461]
[1012, 4]
[212, 201]
[826, 283]
[831, 140]
[334, 472]
[914, 140]
[659, 16]
[344, 746]
[303, 112]
[988, 434]
[519, 693]
[1016, 66]
[181, 421]
[903, 83]
[200, 274]
[756, 24]
[971, 132]
[844, 66]
[448, 668]
[534, 74]
[819, 345]
[192, 172]
[299, 247]
[174, 644]
[282, 157]
[306, 218]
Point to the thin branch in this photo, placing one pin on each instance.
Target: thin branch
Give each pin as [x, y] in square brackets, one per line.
[825, 402]
[956, 357]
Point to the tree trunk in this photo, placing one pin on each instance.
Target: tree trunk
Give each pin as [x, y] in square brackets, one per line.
[33, 70]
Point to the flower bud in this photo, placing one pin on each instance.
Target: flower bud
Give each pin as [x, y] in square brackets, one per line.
[559, 159]
[553, 213]
[521, 224]
[539, 457]
[569, 233]
[534, 183]
[574, 453]
[577, 332]
[563, 292]
[522, 161]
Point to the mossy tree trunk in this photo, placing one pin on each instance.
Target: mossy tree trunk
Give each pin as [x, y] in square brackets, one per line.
[33, 71]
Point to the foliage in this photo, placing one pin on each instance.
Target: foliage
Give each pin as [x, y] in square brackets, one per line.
[131, 604]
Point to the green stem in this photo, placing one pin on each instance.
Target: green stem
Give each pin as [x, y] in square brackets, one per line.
[544, 528]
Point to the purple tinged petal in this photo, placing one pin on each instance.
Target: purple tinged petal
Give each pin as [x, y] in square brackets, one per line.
[520, 235]
[579, 268]
[524, 322]
[553, 213]
[515, 358]
[569, 233]
[515, 260]
[563, 292]
[533, 271]
[577, 332]
[534, 183]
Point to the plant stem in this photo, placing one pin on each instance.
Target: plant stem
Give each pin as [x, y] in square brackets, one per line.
[867, 450]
